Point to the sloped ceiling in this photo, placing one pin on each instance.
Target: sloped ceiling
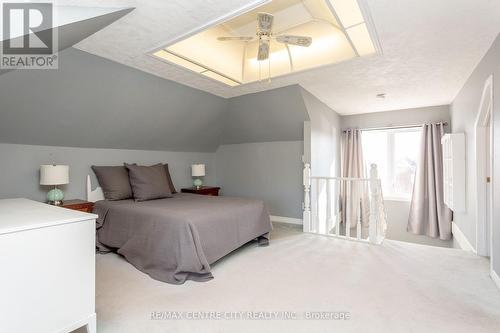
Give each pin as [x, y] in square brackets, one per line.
[69, 15]
[429, 50]
[75, 23]
[97, 103]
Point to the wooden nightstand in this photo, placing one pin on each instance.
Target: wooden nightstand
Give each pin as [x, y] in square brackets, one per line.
[80, 205]
[204, 190]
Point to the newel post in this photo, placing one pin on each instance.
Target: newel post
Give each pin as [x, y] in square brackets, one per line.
[374, 204]
[306, 215]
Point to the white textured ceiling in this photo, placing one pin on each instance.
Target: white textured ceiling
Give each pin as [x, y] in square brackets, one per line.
[429, 50]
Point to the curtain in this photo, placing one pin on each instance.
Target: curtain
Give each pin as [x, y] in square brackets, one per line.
[428, 213]
[354, 196]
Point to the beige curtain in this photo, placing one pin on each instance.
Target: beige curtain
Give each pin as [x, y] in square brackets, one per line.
[354, 196]
[428, 213]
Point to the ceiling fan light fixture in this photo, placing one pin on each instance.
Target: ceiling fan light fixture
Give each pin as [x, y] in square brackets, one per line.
[265, 34]
[275, 39]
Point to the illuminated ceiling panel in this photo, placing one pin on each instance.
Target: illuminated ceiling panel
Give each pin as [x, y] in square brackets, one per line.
[338, 30]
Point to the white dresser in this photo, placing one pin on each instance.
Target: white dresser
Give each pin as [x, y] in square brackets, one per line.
[47, 268]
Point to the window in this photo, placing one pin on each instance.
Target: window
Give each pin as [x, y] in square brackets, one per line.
[395, 152]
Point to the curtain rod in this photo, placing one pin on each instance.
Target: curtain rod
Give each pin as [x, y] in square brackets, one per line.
[396, 127]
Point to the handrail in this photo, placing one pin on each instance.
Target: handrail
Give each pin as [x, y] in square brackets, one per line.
[324, 196]
[342, 178]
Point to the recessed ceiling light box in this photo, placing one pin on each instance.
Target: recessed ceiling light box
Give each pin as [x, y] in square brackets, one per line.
[275, 39]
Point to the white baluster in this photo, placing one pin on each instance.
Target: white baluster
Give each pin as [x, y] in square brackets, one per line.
[337, 193]
[382, 217]
[317, 220]
[358, 209]
[348, 209]
[328, 207]
[374, 204]
[306, 215]
[316, 206]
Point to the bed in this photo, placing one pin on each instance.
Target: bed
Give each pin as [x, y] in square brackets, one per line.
[177, 239]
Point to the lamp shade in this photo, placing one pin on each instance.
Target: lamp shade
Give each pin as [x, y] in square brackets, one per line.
[54, 174]
[198, 170]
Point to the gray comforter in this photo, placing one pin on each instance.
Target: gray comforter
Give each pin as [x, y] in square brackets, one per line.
[176, 239]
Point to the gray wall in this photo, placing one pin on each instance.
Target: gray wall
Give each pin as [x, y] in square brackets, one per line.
[273, 115]
[324, 141]
[93, 102]
[321, 143]
[397, 210]
[261, 149]
[19, 167]
[464, 111]
[262, 146]
[271, 171]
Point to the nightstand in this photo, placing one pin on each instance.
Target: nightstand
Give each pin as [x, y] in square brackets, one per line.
[80, 205]
[204, 190]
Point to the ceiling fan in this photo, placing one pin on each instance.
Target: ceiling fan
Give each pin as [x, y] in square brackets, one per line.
[265, 35]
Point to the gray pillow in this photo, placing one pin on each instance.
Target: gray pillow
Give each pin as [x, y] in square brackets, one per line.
[148, 182]
[169, 179]
[114, 182]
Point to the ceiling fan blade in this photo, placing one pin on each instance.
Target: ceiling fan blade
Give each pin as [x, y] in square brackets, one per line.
[294, 40]
[243, 39]
[263, 50]
[265, 22]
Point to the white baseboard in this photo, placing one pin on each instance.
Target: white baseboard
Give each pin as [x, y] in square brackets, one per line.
[284, 219]
[460, 238]
[495, 278]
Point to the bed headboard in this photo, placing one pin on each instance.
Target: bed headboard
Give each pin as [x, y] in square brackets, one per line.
[94, 195]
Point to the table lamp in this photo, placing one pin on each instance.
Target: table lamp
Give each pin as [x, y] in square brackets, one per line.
[54, 175]
[198, 171]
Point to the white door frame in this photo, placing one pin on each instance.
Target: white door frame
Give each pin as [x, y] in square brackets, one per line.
[484, 117]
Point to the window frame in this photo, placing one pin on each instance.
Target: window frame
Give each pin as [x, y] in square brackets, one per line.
[391, 159]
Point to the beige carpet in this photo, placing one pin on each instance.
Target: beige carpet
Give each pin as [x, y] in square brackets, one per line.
[396, 287]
